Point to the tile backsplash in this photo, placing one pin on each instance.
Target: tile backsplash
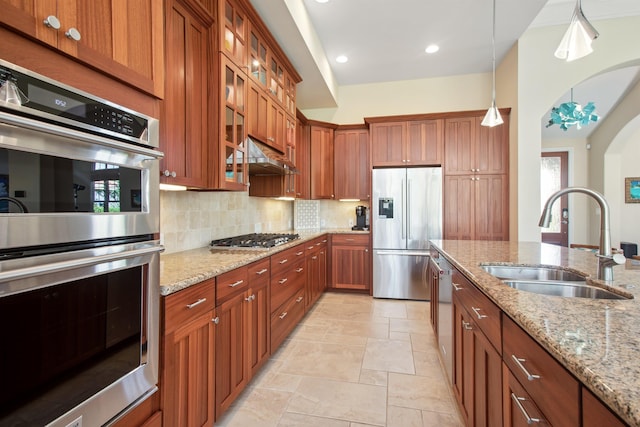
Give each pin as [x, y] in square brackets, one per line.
[190, 219]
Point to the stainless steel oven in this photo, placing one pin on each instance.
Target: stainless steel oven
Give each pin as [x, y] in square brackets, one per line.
[79, 259]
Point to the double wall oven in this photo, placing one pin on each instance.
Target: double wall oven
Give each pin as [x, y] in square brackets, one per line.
[79, 259]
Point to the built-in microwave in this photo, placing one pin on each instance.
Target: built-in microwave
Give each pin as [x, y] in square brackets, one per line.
[79, 255]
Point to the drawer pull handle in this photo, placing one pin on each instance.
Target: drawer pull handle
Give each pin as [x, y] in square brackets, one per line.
[284, 261]
[200, 301]
[216, 320]
[310, 247]
[250, 298]
[457, 287]
[299, 270]
[477, 312]
[283, 281]
[314, 257]
[467, 326]
[349, 240]
[239, 282]
[299, 253]
[283, 315]
[518, 362]
[324, 241]
[299, 299]
[264, 270]
[517, 401]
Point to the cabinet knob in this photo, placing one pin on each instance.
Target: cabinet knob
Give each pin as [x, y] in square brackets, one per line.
[169, 173]
[216, 320]
[73, 34]
[52, 22]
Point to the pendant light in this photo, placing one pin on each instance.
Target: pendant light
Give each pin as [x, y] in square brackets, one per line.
[571, 113]
[576, 42]
[493, 118]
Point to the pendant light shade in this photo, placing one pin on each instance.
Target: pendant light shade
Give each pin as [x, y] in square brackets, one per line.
[576, 42]
[493, 118]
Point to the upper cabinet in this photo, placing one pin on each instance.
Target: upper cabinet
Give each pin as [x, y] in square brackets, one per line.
[233, 31]
[321, 161]
[120, 38]
[186, 114]
[351, 170]
[406, 143]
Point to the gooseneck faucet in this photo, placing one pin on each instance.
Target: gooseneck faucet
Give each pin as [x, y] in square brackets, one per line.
[606, 258]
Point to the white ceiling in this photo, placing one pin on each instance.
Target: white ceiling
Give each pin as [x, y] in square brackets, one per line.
[385, 40]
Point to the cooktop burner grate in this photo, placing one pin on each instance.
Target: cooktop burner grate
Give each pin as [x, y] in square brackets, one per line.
[254, 241]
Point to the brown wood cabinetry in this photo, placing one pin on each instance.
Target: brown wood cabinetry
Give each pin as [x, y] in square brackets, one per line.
[188, 366]
[477, 373]
[321, 161]
[352, 177]
[433, 276]
[596, 414]
[233, 31]
[552, 389]
[406, 143]
[259, 312]
[316, 262]
[303, 158]
[119, 38]
[186, 122]
[350, 262]
[476, 180]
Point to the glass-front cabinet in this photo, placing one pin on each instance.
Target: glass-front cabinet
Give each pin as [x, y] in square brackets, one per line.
[258, 58]
[234, 30]
[233, 174]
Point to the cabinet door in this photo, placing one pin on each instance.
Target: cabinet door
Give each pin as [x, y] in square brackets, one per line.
[487, 378]
[519, 409]
[233, 31]
[258, 112]
[350, 267]
[492, 152]
[459, 207]
[595, 413]
[388, 144]
[276, 134]
[351, 164]
[463, 361]
[185, 113]
[259, 312]
[231, 351]
[120, 38]
[433, 274]
[303, 161]
[231, 162]
[188, 375]
[459, 147]
[425, 142]
[321, 163]
[491, 207]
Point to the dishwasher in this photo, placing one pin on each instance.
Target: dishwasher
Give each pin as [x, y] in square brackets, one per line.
[445, 314]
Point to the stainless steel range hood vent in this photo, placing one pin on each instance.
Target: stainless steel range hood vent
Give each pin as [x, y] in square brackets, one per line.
[264, 160]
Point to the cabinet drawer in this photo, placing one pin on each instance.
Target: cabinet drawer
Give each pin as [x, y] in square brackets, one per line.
[519, 407]
[286, 318]
[230, 284]
[553, 389]
[189, 303]
[484, 312]
[282, 261]
[287, 283]
[259, 272]
[350, 239]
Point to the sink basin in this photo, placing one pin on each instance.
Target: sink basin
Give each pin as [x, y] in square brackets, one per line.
[563, 289]
[530, 272]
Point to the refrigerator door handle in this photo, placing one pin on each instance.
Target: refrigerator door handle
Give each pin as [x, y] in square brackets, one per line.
[403, 214]
[409, 209]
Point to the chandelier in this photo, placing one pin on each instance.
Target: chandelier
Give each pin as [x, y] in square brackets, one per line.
[571, 113]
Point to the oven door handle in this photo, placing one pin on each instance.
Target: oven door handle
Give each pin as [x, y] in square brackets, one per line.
[37, 270]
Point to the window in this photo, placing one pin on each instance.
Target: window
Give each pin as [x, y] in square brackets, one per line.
[106, 188]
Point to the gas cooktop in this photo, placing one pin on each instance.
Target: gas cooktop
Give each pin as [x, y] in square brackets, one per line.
[254, 241]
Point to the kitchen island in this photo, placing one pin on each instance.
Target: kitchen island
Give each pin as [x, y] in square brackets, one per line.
[596, 340]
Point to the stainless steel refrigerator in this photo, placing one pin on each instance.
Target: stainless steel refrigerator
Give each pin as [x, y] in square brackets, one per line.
[406, 212]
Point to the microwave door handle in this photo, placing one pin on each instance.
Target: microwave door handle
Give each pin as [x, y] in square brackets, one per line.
[53, 267]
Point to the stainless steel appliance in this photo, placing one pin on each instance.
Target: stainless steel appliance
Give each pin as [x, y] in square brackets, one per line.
[79, 263]
[362, 218]
[407, 212]
[254, 241]
[445, 313]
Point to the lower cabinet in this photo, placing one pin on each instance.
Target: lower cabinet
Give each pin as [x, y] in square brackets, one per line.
[350, 262]
[316, 262]
[259, 315]
[433, 278]
[596, 414]
[188, 368]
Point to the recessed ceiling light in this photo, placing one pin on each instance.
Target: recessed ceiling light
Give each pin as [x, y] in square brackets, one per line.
[342, 59]
[432, 48]
[322, 1]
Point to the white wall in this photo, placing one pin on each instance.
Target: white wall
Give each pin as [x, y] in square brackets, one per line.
[542, 79]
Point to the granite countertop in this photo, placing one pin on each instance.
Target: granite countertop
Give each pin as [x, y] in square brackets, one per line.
[183, 269]
[598, 340]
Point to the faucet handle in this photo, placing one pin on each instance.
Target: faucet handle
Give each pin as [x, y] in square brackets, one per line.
[612, 259]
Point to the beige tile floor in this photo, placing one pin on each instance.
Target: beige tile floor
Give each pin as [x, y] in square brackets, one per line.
[353, 361]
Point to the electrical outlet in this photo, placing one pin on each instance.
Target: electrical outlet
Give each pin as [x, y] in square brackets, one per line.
[350, 223]
[76, 423]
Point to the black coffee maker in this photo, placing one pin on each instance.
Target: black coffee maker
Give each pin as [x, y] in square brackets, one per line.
[362, 218]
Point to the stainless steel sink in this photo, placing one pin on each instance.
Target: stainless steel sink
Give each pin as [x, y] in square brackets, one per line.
[531, 272]
[563, 289]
